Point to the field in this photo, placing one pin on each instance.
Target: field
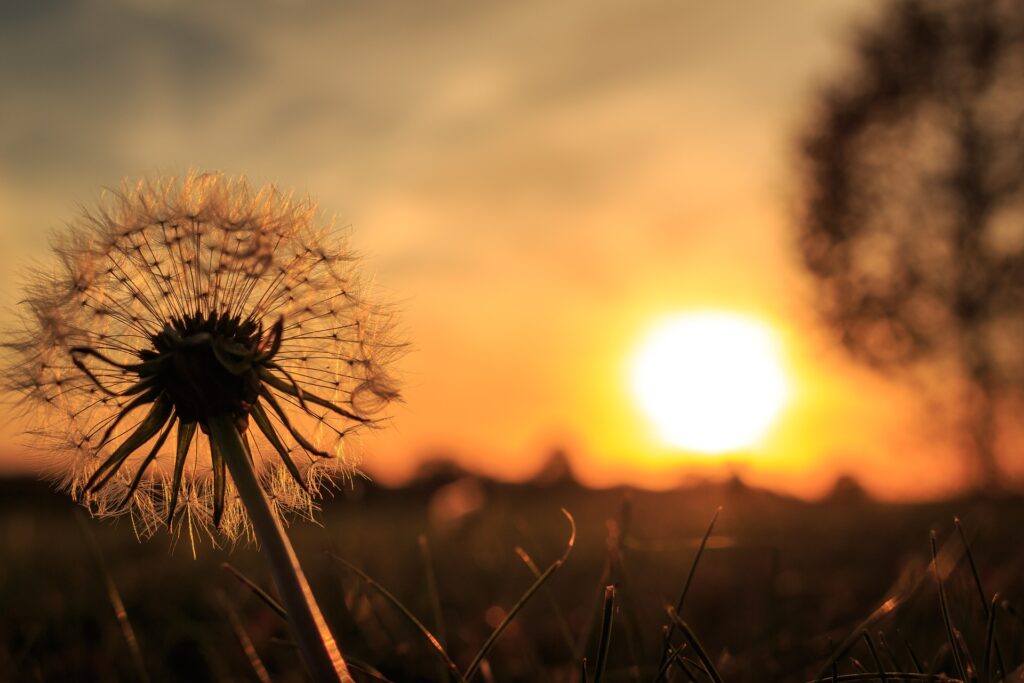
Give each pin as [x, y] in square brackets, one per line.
[780, 583]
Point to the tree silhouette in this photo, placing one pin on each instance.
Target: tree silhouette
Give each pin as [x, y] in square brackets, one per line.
[913, 216]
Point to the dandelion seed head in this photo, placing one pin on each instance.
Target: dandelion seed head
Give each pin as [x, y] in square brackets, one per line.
[177, 300]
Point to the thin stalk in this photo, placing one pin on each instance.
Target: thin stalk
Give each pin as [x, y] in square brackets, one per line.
[406, 612]
[606, 634]
[244, 640]
[435, 601]
[563, 624]
[955, 650]
[874, 655]
[688, 583]
[117, 603]
[270, 602]
[316, 644]
[691, 638]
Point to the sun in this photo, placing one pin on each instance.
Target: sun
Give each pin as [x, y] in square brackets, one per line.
[711, 382]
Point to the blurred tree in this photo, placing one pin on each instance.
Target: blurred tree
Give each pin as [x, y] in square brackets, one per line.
[913, 216]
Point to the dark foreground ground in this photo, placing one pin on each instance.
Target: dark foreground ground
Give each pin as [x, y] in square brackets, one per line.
[780, 580]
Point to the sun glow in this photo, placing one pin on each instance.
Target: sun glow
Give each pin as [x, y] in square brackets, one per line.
[711, 382]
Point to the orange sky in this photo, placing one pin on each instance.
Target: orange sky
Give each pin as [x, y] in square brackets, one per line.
[537, 183]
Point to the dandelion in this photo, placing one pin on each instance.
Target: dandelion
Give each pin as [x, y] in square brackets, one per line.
[197, 328]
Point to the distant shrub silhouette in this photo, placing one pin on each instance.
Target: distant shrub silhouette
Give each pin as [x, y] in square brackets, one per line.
[913, 218]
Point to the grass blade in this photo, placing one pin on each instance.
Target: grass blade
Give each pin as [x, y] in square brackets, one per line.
[970, 669]
[269, 601]
[884, 643]
[684, 663]
[874, 656]
[691, 638]
[948, 558]
[987, 608]
[689, 582]
[405, 611]
[563, 623]
[914, 658]
[434, 595]
[367, 670]
[244, 640]
[493, 638]
[974, 567]
[945, 610]
[990, 630]
[673, 655]
[116, 602]
[606, 633]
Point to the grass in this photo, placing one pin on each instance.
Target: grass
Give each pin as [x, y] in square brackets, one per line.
[650, 591]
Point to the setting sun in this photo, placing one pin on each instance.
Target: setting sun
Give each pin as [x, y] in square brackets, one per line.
[711, 382]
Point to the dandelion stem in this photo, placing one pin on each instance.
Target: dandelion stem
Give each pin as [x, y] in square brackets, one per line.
[316, 644]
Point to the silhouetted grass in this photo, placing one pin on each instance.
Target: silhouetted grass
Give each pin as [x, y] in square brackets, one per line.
[765, 589]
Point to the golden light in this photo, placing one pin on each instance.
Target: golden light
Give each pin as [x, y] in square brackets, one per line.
[711, 382]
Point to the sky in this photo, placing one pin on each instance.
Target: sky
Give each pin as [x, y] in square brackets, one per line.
[535, 184]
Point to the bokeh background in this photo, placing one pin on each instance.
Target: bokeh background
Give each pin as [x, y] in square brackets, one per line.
[536, 185]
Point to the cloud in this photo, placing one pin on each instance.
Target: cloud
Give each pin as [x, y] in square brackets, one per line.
[80, 77]
[530, 173]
